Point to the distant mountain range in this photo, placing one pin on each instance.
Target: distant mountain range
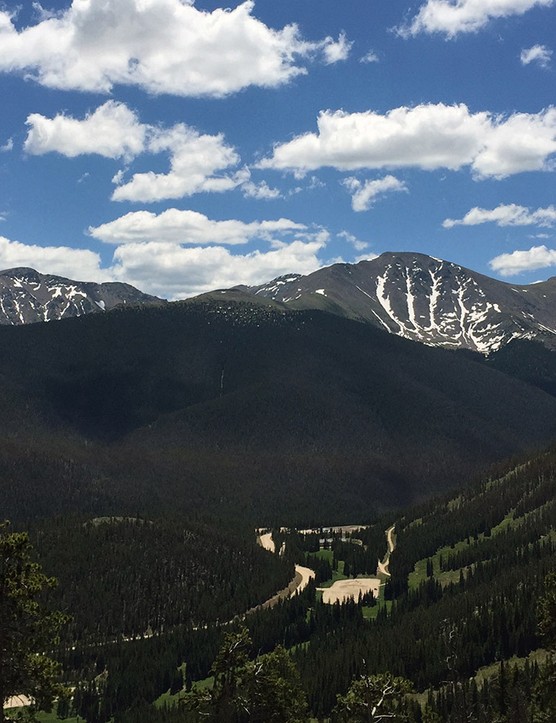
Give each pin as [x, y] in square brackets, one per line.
[425, 299]
[412, 295]
[26, 297]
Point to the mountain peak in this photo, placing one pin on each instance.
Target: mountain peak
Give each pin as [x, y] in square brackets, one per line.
[27, 296]
[425, 299]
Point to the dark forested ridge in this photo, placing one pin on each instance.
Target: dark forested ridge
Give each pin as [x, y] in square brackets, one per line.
[246, 409]
[134, 577]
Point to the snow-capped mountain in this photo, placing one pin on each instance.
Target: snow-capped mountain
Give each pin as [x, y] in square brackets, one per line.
[27, 296]
[425, 299]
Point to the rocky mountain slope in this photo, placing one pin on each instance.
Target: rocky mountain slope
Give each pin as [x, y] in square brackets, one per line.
[26, 296]
[425, 299]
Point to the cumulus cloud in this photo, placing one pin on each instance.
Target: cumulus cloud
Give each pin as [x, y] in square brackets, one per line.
[364, 195]
[261, 191]
[61, 260]
[197, 160]
[506, 215]
[335, 51]
[161, 46]
[7, 146]
[189, 227]
[112, 131]
[176, 272]
[539, 54]
[537, 257]
[427, 136]
[452, 17]
[180, 253]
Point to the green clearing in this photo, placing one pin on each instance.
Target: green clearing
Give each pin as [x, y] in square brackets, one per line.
[51, 717]
[539, 656]
[336, 574]
[325, 554]
[370, 613]
[488, 672]
[171, 699]
[419, 573]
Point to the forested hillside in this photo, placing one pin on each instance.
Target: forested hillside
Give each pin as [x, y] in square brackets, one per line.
[249, 410]
[125, 577]
[458, 617]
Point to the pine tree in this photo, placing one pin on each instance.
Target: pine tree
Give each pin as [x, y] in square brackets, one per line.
[27, 630]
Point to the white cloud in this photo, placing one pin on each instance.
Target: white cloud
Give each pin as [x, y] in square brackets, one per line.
[370, 57]
[521, 142]
[335, 51]
[189, 227]
[451, 17]
[112, 131]
[180, 253]
[169, 270]
[365, 194]
[61, 260]
[539, 54]
[506, 215]
[7, 146]
[161, 46]
[195, 159]
[261, 191]
[537, 257]
[427, 136]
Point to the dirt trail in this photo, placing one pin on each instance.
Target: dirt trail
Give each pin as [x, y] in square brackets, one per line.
[303, 575]
[265, 540]
[383, 565]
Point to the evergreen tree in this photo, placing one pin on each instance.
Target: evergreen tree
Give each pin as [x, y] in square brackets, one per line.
[264, 690]
[374, 698]
[27, 630]
[544, 706]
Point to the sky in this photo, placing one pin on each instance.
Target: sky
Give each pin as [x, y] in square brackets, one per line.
[188, 145]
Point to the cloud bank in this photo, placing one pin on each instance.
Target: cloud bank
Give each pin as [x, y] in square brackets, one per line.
[427, 136]
[188, 227]
[160, 46]
[60, 260]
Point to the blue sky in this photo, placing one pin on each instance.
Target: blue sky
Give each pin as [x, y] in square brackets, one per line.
[183, 146]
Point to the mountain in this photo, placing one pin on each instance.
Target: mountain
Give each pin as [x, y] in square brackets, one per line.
[425, 299]
[26, 296]
[246, 409]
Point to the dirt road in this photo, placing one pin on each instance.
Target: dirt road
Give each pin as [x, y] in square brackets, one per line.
[382, 567]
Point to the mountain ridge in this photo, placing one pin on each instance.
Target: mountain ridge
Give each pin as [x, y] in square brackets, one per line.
[425, 299]
[28, 296]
